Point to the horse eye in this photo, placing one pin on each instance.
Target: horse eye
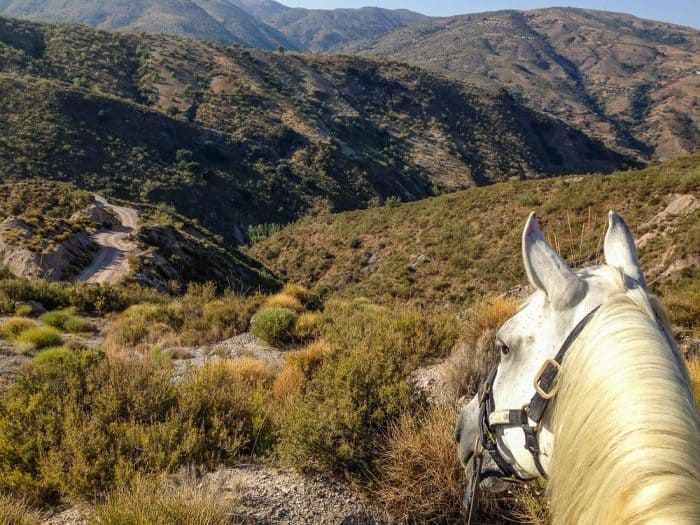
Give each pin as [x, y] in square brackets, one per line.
[503, 348]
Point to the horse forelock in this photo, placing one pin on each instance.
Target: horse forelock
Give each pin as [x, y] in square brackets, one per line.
[627, 432]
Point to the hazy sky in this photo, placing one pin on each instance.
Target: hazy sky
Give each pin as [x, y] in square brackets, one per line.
[684, 12]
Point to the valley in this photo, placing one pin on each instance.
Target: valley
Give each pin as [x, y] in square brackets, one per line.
[156, 119]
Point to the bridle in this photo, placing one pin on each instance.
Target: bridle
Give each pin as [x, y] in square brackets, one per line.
[490, 420]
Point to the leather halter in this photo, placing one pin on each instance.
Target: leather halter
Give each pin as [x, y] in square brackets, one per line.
[491, 419]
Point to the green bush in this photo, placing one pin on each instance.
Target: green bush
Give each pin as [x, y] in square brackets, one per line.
[362, 385]
[13, 327]
[24, 310]
[273, 325]
[85, 297]
[65, 320]
[225, 409]
[77, 425]
[40, 337]
[33, 416]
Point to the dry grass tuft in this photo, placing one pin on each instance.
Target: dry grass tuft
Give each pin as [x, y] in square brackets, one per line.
[300, 364]
[152, 501]
[298, 292]
[282, 300]
[529, 504]
[471, 360]
[14, 326]
[305, 326]
[422, 480]
[17, 512]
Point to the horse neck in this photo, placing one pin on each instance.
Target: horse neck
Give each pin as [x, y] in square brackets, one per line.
[626, 429]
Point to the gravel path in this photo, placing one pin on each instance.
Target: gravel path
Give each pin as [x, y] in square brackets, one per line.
[110, 265]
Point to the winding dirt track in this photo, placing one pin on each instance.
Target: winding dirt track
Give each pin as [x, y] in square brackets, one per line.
[110, 264]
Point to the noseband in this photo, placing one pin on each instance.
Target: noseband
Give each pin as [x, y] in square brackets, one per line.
[490, 420]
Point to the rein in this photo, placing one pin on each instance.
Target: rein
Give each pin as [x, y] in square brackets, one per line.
[490, 420]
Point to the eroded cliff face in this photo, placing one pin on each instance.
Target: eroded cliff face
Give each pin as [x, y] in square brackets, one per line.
[55, 257]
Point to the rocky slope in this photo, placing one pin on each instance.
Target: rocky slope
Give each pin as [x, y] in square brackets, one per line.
[629, 82]
[161, 119]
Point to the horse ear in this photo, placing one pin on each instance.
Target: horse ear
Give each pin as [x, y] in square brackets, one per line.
[546, 270]
[619, 248]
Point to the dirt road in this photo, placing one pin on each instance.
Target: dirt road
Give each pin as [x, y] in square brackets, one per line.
[110, 264]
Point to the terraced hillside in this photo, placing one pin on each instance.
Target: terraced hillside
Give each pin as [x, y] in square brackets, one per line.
[454, 248]
[632, 83]
[236, 137]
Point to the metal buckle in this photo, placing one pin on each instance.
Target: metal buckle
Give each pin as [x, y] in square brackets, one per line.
[555, 388]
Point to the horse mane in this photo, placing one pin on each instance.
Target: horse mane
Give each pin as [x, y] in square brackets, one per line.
[627, 431]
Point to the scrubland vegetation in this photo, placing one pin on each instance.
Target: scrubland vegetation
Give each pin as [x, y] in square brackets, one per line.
[100, 425]
[459, 247]
[104, 425]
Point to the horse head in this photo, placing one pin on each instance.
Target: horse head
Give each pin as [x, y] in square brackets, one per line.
[504, 432]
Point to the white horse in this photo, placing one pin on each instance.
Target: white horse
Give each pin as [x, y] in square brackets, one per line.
[590, 392]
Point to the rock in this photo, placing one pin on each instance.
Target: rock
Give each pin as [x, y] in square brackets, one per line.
[36, 308]
[414, 261]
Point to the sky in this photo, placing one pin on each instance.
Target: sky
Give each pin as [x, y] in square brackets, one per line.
[683, 12]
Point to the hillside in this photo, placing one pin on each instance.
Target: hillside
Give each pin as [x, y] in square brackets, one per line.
[455, 248]
[226, 134]
[329, 29]
[630, 83]
[212, 20]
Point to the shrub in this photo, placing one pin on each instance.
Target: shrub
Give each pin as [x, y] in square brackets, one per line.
[305, 326]
[32, 418]
[225, 408]
[471, 360]
[273, 324]
[17, 512]
[421, 478]
[142, 323]
[282, 300]
[361, 386]
[64, 320]
[24, 310]
[153, 501]
[13, 327]
[39, 337]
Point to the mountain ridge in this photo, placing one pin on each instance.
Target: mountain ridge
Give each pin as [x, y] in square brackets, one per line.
[215, 20]
[629, 82]
[156, 118]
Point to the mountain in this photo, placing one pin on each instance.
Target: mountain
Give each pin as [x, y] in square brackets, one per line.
[630, 83]
[459, 247]
[213, 20]
[327, 30]
[236, 137]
